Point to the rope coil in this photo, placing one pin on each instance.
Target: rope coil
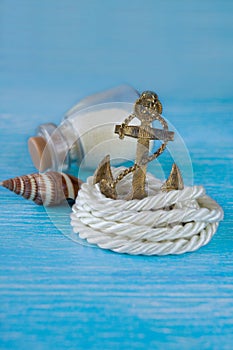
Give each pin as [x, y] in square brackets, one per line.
[162, 223]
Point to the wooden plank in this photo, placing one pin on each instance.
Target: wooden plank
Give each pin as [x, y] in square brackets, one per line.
[57, 293]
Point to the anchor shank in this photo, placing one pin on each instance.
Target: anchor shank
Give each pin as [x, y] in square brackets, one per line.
[139, 177]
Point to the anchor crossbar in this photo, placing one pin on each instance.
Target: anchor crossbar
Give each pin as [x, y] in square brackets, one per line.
[145, 132]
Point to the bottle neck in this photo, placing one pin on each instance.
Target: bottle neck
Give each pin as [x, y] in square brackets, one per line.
[56, 146]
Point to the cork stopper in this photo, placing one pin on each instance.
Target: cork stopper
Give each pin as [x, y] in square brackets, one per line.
[39, 153]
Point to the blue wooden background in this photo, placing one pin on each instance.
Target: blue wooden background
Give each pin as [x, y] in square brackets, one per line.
[55, 293]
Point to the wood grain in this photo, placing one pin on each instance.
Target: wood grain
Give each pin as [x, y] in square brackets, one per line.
[56, 293]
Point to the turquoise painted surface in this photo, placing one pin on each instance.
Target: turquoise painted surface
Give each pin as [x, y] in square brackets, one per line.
[56, 293]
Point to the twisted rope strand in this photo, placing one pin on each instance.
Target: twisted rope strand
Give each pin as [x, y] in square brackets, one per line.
[162, 223]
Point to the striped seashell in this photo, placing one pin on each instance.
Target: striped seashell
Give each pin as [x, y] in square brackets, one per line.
[48, 189]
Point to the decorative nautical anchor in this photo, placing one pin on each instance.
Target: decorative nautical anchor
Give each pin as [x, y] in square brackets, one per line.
[147, 109]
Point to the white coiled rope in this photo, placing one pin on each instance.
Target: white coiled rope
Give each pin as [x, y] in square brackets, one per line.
[163, 223]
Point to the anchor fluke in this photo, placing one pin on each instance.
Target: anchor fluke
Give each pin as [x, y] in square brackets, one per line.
[103, 171]
[174, 181]
[103, 176]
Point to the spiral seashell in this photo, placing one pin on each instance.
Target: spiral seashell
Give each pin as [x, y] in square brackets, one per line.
[48, 189]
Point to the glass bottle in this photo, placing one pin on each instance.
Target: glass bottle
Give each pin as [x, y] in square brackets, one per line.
[86, 133]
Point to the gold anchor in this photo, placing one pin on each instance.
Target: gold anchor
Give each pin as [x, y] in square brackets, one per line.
[147, 109]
